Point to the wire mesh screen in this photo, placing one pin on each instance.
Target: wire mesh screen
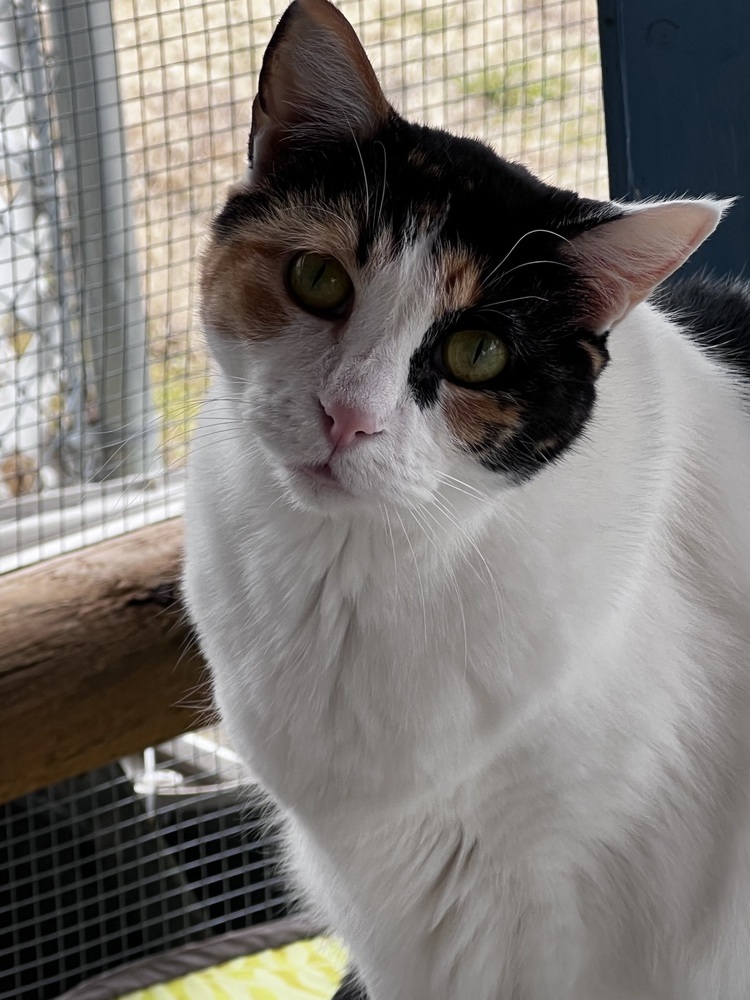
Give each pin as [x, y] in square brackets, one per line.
[122, 122]
[130, 860]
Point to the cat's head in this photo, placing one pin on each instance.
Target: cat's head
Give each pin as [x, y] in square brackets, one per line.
[399, 308]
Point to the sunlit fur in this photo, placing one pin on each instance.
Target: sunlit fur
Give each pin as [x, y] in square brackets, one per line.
[506, 721]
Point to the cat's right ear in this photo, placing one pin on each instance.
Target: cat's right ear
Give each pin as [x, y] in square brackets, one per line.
[621, 261]
[316, 85]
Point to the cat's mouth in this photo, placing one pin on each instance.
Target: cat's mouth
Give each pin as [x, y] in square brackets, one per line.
[320, 476]
[322, 473]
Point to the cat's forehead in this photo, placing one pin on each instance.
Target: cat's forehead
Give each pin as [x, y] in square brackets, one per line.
[366, 201]
[410, 252]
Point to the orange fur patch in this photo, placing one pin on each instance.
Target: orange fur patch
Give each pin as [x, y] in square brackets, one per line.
[548, 444]
[597, 358]
[460, 280]
[474, 415]
[243, 290]
[418, 158]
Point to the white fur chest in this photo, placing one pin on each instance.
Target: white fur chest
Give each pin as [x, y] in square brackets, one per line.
[346, 670]
[381, 660]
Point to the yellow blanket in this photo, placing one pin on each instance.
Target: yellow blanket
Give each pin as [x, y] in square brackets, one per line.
[305, 970]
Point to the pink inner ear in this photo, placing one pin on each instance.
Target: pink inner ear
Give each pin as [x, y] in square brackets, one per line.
[622, 261]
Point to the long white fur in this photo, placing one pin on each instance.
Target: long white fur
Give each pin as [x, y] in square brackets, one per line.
[507, 727]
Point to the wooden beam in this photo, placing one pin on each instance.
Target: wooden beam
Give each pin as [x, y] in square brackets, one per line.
[96, 659]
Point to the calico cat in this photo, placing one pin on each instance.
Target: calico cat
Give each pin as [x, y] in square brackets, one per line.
[468, 551]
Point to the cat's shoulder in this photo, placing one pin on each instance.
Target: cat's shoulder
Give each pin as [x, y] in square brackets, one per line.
[715, 312]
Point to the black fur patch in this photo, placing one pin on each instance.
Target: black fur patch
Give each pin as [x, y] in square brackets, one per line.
[350, 989]
[715, 313]
[422, 180]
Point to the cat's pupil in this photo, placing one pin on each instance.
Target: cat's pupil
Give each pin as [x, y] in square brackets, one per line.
[479, 351]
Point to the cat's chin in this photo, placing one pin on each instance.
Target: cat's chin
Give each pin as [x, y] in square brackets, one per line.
[318, 488]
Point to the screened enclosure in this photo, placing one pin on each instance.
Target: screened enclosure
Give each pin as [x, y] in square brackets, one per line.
[130, 860]
[123, 121]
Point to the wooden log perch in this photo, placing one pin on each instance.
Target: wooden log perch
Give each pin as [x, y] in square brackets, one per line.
[96, 659]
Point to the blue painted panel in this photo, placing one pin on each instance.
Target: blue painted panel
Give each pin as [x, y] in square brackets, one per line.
[677, 104]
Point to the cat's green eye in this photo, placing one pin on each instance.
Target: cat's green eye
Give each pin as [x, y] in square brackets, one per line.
[319, 283]
[474, 356]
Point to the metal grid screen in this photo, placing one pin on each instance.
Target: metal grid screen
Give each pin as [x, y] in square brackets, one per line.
[130, 860]
[122, 123]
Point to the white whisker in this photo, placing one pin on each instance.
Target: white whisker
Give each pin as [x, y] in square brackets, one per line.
[384, 511]
[530, 263]
[383, 186]
[364, 175]
[419, 575]
[450, 573]
[531, 232]
[463, 487]
[520, 298]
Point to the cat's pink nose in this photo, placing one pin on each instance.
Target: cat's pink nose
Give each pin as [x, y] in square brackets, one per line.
[347, 424]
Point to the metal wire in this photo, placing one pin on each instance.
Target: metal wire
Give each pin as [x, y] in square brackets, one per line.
[130, 860]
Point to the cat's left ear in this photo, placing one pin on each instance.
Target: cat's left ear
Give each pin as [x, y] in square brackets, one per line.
[623, 260]
[316, 84]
